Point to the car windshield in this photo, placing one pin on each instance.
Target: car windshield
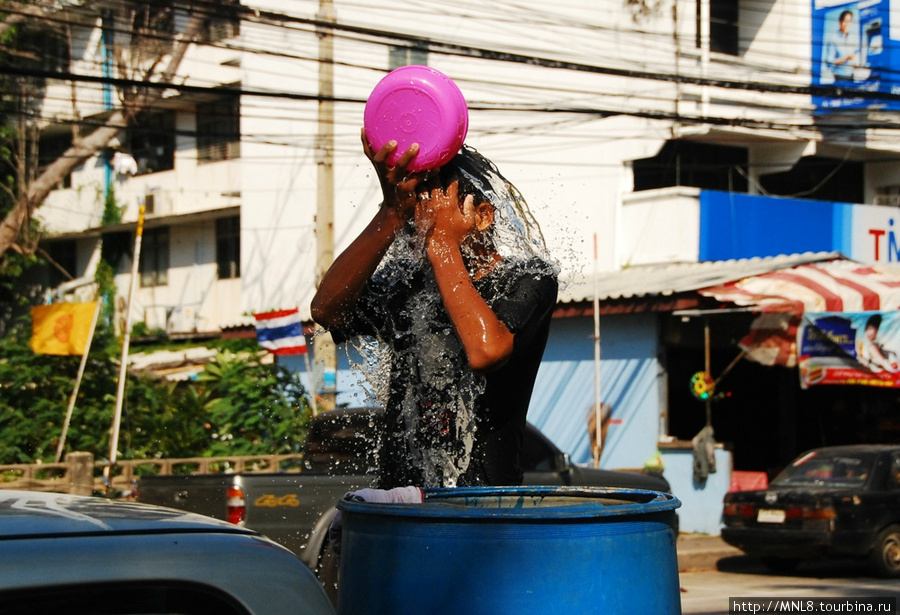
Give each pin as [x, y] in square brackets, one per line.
[832, 469]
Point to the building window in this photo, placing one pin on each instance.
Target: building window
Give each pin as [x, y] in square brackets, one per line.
[228, 247]
[151, 142]
[888, 195]
[154, 265]
[689, 163]
[405, 56]
[723, 26]
[157, 17]
[115, 247]
[223, 23]
[50, 148]
[219, 129]
[819, 178]
[62, 257]
[37, 46]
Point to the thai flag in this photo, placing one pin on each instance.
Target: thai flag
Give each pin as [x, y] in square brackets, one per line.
[281, 332]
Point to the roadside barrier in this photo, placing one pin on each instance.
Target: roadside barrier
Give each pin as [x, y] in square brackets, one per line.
[80, 474]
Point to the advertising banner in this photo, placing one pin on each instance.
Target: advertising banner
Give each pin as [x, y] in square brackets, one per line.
[849, 348]
[853, 50]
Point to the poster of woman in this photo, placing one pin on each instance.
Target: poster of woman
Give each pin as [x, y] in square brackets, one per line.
[861, 348]
[871, 350]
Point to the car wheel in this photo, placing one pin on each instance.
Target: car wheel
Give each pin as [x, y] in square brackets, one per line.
[885, 556]
[781, 565]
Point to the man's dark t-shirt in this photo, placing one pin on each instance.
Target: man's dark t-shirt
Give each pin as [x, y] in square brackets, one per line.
[447, 425]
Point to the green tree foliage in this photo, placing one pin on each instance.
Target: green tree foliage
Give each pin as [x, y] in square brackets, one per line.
[236, 406]
[251, 407]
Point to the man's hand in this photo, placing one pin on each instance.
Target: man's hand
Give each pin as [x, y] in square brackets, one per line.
[398, 186]
[440, 217]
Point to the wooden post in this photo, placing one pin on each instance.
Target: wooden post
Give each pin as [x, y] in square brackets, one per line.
[81, 473]
[84, 357]
[707, 367]
[126, 339]
[598, 403]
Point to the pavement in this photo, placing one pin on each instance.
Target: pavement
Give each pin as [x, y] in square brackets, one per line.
[698, 552]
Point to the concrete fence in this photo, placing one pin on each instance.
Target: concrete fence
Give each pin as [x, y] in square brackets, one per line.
[79, 474]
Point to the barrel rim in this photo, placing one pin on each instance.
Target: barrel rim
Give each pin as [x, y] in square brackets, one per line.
[643, 502]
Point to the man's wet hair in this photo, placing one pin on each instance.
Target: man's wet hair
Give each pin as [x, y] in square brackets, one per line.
[515, 232]
[471, 178]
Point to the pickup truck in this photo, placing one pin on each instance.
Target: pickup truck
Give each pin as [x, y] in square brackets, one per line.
[295, 509]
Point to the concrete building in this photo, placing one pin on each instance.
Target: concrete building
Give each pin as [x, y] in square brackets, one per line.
[643, 134]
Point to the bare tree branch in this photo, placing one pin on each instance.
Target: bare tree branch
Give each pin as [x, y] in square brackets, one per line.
[36, 192]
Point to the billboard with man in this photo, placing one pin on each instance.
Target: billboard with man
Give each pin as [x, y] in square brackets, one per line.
[853, 51]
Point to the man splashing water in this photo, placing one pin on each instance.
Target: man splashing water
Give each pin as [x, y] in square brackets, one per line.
[451, 283]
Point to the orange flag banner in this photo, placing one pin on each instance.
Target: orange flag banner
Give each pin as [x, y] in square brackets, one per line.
[61, 328]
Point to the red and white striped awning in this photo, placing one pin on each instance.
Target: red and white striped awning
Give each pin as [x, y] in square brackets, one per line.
[836, 285]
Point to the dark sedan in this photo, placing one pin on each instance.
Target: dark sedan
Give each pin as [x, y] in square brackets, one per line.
[840, 501]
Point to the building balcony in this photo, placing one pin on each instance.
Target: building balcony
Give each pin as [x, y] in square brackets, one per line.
[167, 194]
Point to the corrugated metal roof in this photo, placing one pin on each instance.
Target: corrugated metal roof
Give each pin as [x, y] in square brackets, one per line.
[670, 279]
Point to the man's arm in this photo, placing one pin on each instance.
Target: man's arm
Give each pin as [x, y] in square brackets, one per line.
[342, 284]
[835, 53]
[345, 279]
[486, 340]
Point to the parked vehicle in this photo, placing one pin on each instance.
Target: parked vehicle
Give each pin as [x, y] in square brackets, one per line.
[841, 501]
[80, 555]
[295, 509]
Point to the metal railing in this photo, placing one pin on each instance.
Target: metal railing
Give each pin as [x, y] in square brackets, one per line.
[79, 474]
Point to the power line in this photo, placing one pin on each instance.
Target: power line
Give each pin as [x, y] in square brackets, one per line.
[478, 52]
[445, 47]
[135, 84]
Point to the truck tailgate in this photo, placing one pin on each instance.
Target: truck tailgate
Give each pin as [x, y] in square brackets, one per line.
[284, 507]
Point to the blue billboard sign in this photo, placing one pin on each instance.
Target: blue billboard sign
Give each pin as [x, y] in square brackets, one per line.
[853, 51]
[747, 226]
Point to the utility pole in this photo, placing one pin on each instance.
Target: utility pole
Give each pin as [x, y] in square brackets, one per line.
[323, 346]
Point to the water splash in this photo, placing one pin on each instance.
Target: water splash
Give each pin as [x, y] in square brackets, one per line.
[517, 234]
[432, 416]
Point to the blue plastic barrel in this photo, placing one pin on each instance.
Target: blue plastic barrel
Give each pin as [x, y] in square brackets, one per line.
[496, 550]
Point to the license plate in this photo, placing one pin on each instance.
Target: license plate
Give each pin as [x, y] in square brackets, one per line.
[766, 515]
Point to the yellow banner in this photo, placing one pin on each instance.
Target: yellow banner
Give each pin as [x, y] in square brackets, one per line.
[61, 328]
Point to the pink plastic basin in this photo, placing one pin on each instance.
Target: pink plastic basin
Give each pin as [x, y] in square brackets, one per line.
[417, 104]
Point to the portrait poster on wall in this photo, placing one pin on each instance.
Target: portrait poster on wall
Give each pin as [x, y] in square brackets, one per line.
[854, 49]
[861, 348]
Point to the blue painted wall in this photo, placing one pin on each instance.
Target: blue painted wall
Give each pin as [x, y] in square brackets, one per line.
[629, 381]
